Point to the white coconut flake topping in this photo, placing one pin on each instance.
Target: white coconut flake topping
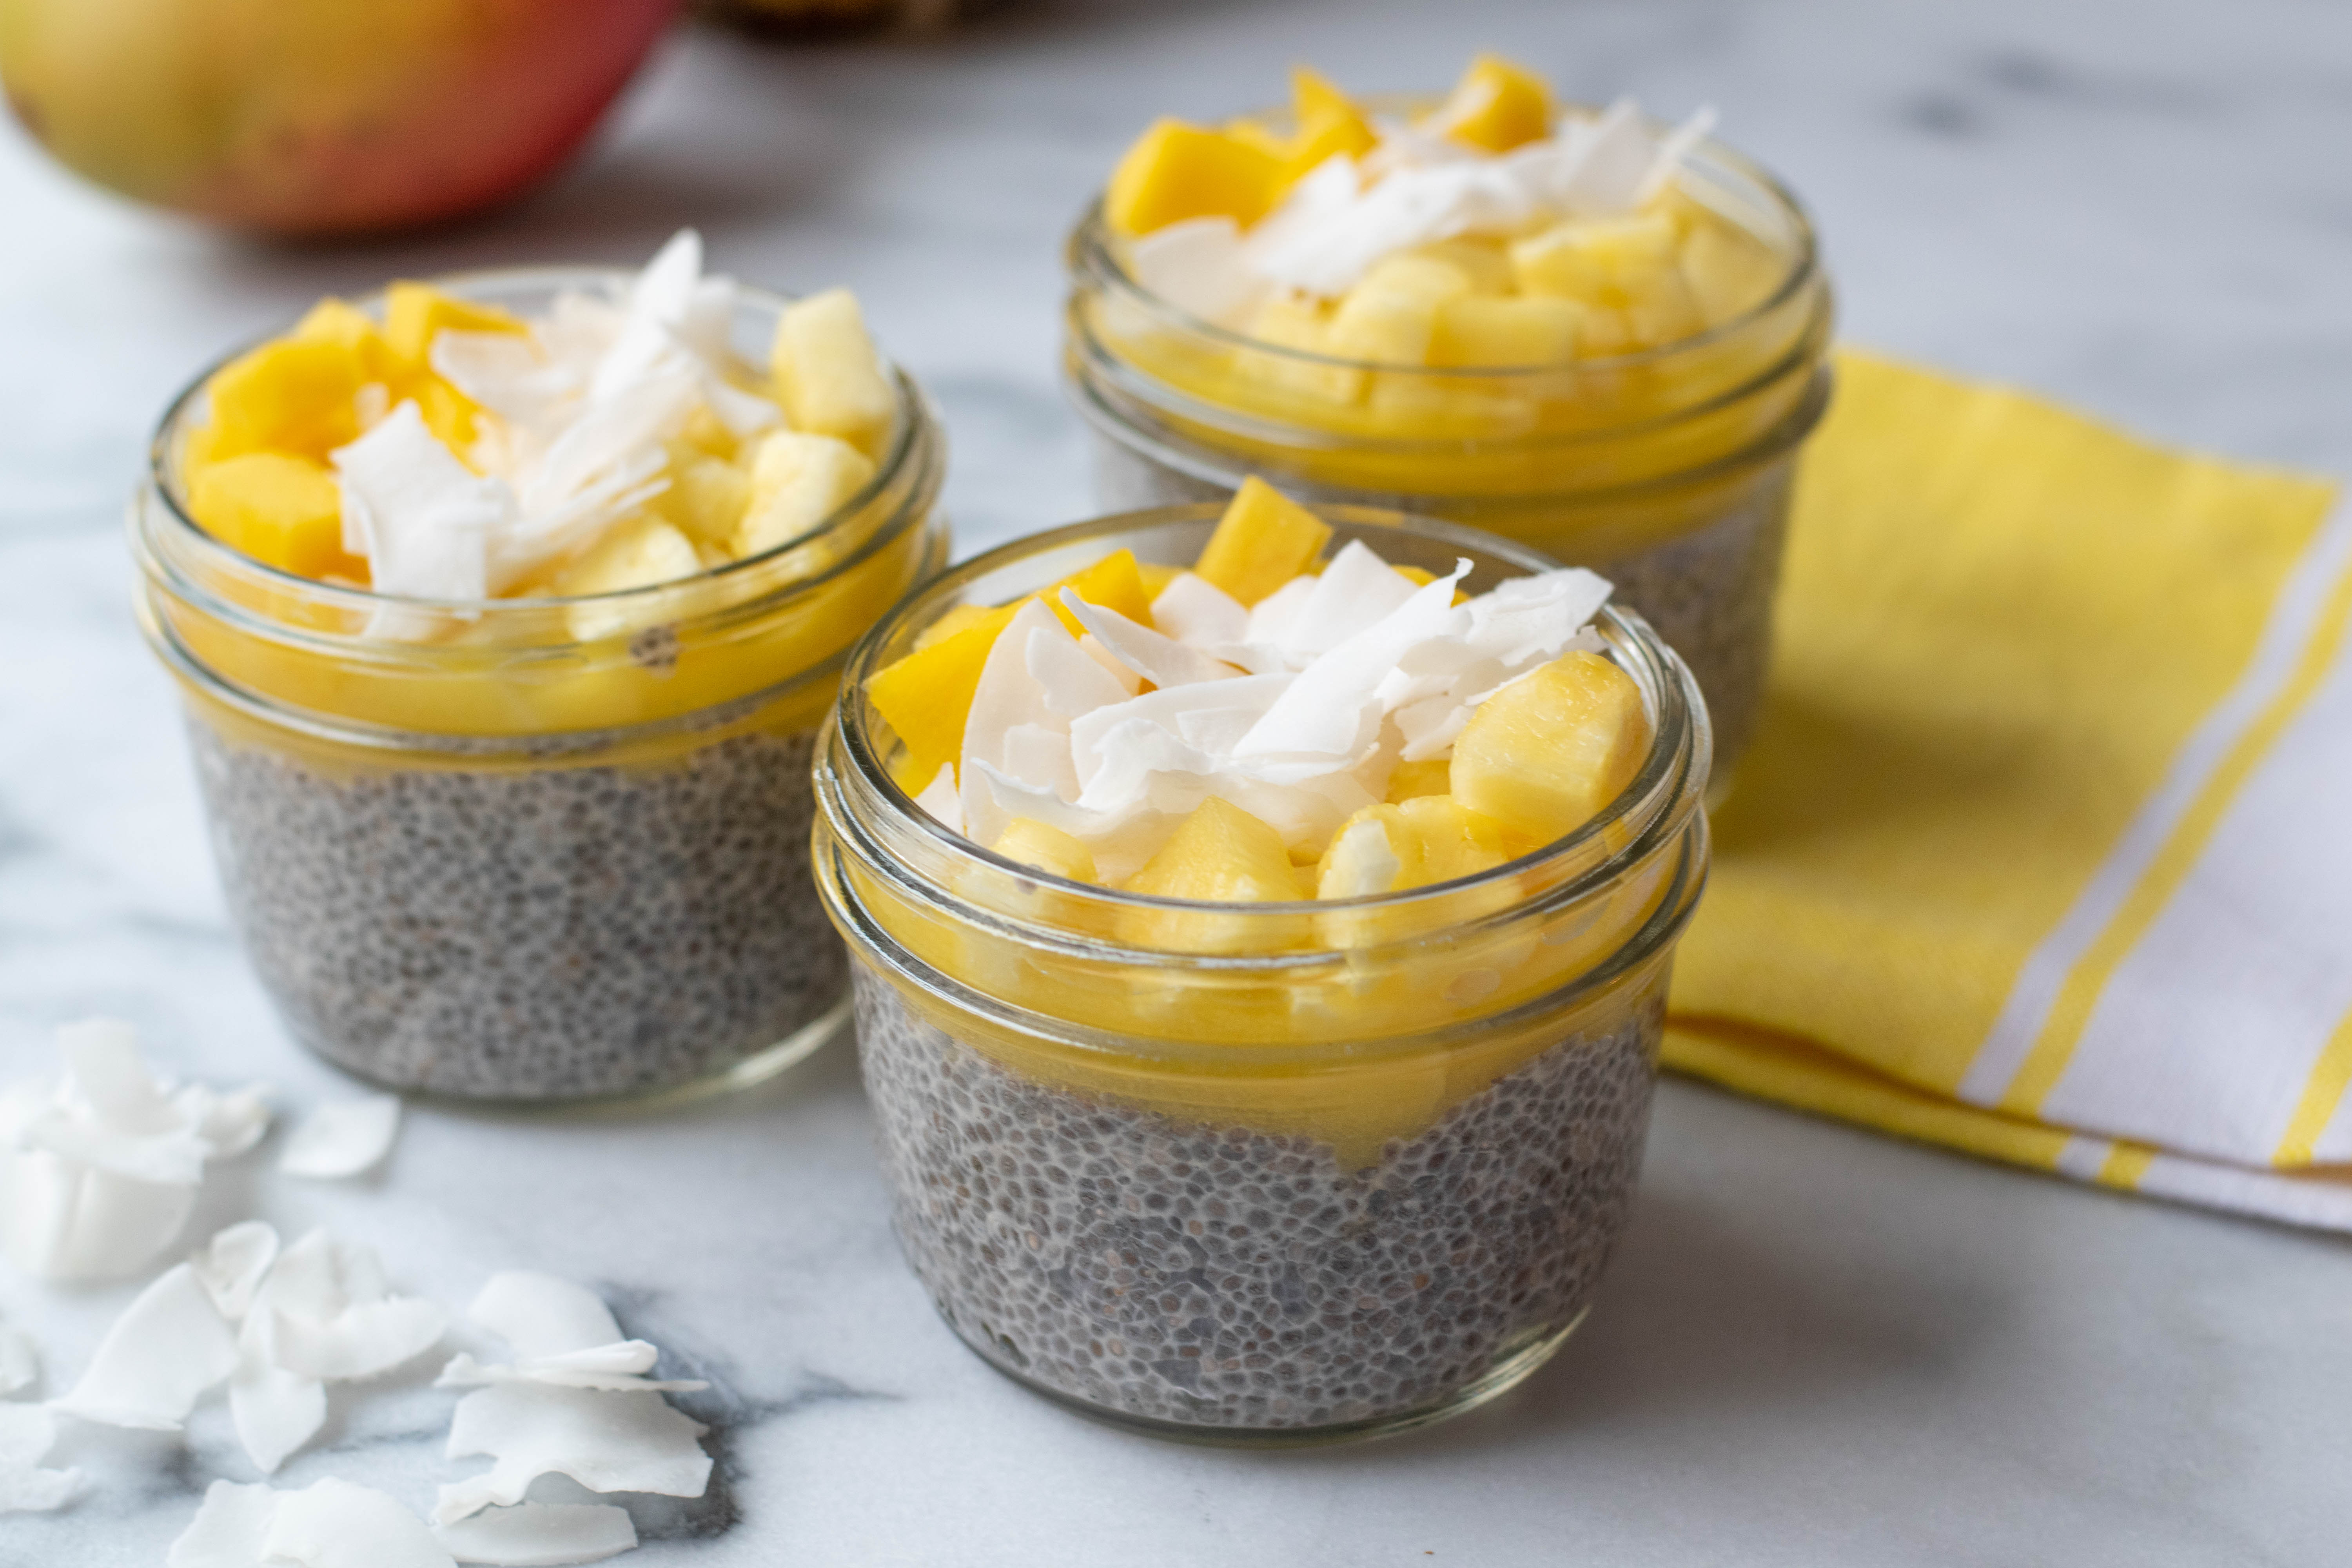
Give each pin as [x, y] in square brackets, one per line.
[20, 1359]
[540, 1535]
[1416, 187]
[99, 1163]
[574, 1403]
[330, 1524]
[27, 1433]
[169, 1346]
[344, 1138]
[1295, 710]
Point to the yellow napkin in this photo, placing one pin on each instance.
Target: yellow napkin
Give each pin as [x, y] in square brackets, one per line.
[2044, 848]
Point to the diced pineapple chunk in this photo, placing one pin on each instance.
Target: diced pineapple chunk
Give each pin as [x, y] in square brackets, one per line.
[798, 480]
[1546, 753]
[1219, 853]
[416, 313]
[283, 511]
[1391, 316]
[1296, 321]
[1262, 541]
[707, 433]
[828, 376]
[290, 396]
[706, 499]
[1497, 106]
[1048, 849]
[1630, 265]
[1730, 272]
[1375, 851]
[1409, 781]
[638, 553]
[1456, 841]
[1485, 331]
[1176, 170]
[1485, 261]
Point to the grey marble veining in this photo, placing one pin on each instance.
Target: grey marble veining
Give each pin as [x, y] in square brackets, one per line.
[1818, 1348]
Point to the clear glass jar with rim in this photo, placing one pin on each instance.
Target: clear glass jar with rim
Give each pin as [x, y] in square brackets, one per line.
[1666, 469]
[533, 850]
[1259, 1173]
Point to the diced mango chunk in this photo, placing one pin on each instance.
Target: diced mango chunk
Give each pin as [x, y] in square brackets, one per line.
[1115, 583]
[828, 376]
[291, 395]
[448, 412]
[961, 617]
[334, 321]
[1262, 541]
[1176, 170]
[1497, 106]
[1546, 753]
[798, 480]
[1219, 853]
[1330, 124]
[926, 696]
[1485, 331]
[416, 313]
[1048, 849]
[282, 511]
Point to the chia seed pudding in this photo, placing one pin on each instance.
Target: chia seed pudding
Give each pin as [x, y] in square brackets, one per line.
[535, 932]
[1220, 1278]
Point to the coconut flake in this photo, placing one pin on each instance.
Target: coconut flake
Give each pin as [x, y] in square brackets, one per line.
[344, 1138]
[232, 1264]
[27, 1433]
[228, 1123]
[940, 798]
[633, 1442]
[1610, 164]
[335, 1317]
[1128, 681]
[20, 1359]
[231, 1529]
[1355, 591]
[334, 1524]
[1678, 145]
[275, 1411]
[169, 1346]
[1332, 711]
[1161, 660]
[616, 1367]
[540, 1535]
[540, 1315]
[422, 518]
[1193, 610]
[1198, 267]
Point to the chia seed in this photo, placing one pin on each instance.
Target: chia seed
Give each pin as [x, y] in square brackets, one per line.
[550, 929]
[1235, 1280]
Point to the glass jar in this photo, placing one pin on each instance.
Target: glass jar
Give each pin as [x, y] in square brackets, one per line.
[1259, 1173]
[533, 849]
[1666, 471]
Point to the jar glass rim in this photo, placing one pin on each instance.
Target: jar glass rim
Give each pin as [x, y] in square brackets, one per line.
[1665, 790]
[913, 429]
[1091, 251]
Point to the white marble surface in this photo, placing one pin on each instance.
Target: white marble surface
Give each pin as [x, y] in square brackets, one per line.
[1817, 1347]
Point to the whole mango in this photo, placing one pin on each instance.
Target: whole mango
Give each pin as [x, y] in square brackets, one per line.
[319, 116]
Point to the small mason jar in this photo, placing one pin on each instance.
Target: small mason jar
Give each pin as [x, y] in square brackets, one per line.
[532, 850]
[1667, 470]
[1259, 1173]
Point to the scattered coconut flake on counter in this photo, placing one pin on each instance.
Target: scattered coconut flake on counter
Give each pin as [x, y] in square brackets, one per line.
[343, 1138]
[100, 1161]
[27, 1433]
[20, 1361]
[609, 1437]
[1296, 710]
[169, 1347]
[328, 1524]
[1417, 187]
[540, 1535]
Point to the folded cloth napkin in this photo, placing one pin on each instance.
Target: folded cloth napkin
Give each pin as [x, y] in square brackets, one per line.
[2043, 850]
